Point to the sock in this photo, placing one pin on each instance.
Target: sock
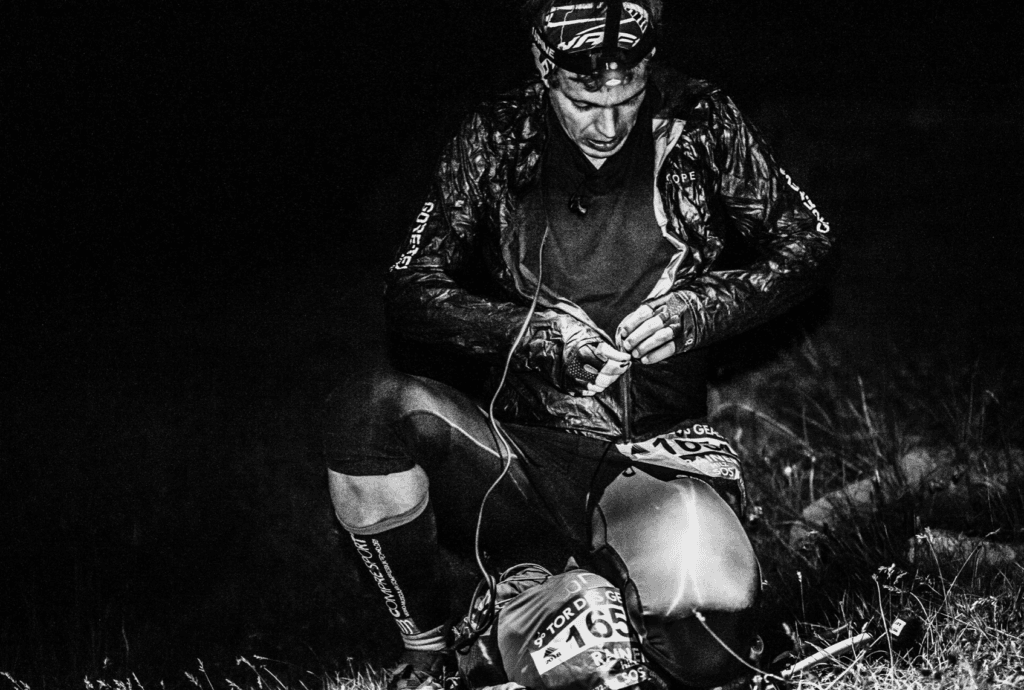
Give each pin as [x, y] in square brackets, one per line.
[404, 561]
[433, 640]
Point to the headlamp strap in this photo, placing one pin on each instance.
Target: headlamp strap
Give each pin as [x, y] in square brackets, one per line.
[610, 48]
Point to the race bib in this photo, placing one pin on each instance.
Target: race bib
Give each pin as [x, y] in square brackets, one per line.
[570, 633]
[695, 449]
[590, 633]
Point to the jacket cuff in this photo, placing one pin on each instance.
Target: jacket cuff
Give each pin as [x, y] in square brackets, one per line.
[688, 336]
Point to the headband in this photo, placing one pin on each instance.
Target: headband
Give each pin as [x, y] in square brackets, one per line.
[591, 38]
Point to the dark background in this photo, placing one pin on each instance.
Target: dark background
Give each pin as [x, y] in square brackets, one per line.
[198, 201]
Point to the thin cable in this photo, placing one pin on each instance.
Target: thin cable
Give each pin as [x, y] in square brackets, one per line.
[700, 619]
[504, 450]
[590, 487]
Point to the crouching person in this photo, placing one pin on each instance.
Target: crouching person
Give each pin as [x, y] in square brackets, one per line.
[570, 241]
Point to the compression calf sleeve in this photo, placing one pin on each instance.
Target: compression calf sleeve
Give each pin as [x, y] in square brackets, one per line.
[403, 558]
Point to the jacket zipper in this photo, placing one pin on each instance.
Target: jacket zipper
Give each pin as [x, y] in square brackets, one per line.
[624, 385]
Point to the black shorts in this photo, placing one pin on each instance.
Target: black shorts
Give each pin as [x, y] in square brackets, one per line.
[389, 422]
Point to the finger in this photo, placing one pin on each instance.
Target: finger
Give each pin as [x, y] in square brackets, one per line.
[605, 371]
[604, 380]
[632, 321]
[642, 333]
[608, 375]
[615, 367]
[663, 352]
[601, 354]
[609, 353]
[654, 341]
[588, 356]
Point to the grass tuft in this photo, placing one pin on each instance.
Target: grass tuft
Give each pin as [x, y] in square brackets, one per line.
[944, 550]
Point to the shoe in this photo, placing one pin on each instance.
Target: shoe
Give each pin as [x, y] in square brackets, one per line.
[424, 671]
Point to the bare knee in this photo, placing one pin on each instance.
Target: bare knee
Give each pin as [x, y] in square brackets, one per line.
[365, 503]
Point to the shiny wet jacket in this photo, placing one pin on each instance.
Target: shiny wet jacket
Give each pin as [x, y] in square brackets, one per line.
[460, 282]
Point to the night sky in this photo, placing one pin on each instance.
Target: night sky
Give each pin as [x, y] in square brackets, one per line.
[197, 166]
[198, 201]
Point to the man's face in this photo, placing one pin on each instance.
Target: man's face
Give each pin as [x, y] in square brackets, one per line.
[598, 121]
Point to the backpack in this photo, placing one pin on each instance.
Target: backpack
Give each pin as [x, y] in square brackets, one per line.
[553, 632]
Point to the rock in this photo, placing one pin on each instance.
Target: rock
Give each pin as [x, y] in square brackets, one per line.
[922, 464]
[942, 546]
[920, 470]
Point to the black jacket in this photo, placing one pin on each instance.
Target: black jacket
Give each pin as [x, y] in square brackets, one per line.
[713, 175]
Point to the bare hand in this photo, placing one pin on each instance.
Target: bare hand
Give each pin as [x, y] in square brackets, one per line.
[645, 336]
